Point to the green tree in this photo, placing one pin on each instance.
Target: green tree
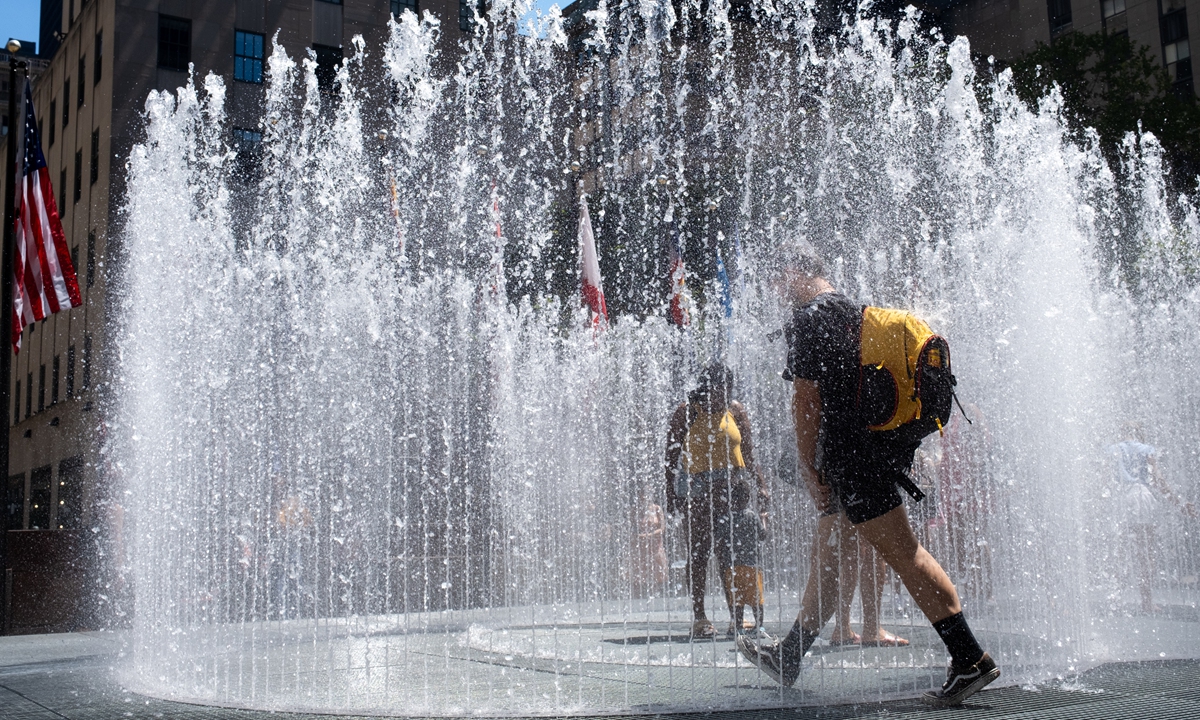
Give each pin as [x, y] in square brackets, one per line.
[1110, 84]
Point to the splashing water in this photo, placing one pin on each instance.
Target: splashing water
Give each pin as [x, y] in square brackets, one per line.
[379, 462]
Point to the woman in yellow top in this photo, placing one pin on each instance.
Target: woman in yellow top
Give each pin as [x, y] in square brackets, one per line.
[708, 443]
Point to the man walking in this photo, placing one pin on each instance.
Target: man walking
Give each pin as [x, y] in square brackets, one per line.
[846, 470]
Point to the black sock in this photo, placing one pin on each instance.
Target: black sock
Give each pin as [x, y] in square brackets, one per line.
[797, 642]
[960, 641]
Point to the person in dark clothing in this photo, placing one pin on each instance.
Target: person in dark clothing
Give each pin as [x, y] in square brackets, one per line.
[843, 463]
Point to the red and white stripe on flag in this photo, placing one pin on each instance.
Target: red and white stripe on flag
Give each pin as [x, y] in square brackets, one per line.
[44, 278]
[593, 290]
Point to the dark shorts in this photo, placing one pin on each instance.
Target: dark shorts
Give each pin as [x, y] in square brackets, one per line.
[865, 482]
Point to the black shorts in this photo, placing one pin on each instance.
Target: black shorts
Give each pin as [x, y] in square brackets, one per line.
[865, 482]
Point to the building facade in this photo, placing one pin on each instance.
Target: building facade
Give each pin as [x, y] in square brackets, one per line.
[63, 517]
[1007, 29]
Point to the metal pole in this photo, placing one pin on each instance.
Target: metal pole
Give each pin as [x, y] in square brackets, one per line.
[15, 125]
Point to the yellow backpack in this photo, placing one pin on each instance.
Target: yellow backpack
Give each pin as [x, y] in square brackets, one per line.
[905, 389]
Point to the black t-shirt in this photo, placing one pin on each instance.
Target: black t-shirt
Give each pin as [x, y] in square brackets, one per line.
[823, 346]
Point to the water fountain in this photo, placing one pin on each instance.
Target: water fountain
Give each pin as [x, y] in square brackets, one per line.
[379, 462]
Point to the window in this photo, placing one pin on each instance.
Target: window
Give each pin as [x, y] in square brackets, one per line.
[55, 376]
[68, 512]
[62, 192]
[82, 75]
[1060, 15]
[29, 394]
[70, 371]
[17, 404]
[1113, 7]
[78, 175]
[399, 6]
[41, 387]
[248, 144]
[66, 102]
[91, 261]
[39, 498]
[87, 363]
[1177, 54]
[331, 2]
[14, 503]
[247, 56]
[52, 125]
[466, 15]
[95, 168]
[96, 55]
[174, 42]
[328, 59]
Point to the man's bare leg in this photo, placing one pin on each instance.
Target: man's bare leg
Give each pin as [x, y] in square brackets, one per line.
[820, 600]
[848, 568]
[892, 537]
[871, 581]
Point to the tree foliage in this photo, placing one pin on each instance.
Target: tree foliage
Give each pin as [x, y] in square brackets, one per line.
[1110, 84]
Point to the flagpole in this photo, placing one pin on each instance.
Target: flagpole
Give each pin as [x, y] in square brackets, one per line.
[16, 123]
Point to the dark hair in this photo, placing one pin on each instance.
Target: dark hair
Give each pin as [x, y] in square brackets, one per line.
[739, 494]
[712, 377]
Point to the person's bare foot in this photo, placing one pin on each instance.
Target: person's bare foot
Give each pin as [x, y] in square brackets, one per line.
[884, 639]
[842, 637]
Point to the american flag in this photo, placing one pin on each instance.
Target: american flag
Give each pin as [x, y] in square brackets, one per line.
[44, 278]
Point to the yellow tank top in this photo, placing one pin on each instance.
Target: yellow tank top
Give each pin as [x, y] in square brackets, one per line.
[713, 442]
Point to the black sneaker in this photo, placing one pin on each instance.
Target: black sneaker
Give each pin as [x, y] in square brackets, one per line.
[962, 683]
[769, 657]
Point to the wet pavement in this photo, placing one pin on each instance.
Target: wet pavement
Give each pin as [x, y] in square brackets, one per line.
[73, 676]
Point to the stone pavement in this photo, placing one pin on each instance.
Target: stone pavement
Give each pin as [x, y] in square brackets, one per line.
[71, 676]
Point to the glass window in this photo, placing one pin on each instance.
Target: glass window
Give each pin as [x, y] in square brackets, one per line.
[39, 498]
[1060, 15]
[53, 110]
[95, 158]
[78, 175]
[248, 144]
[82, 75]
[328, 60]
[466, 15]
[96, 55]
[91, 272]
[17, 404]
[87, 363]
[14, 503]
[399, 6]
[174, 42]
[71, 371]
[247, 56]
[1113, 7]
[69, 510]
[66, 102]
[55, 376]
[1177, 51]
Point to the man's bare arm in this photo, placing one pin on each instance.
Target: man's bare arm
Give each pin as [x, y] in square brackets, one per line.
[806, 414]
